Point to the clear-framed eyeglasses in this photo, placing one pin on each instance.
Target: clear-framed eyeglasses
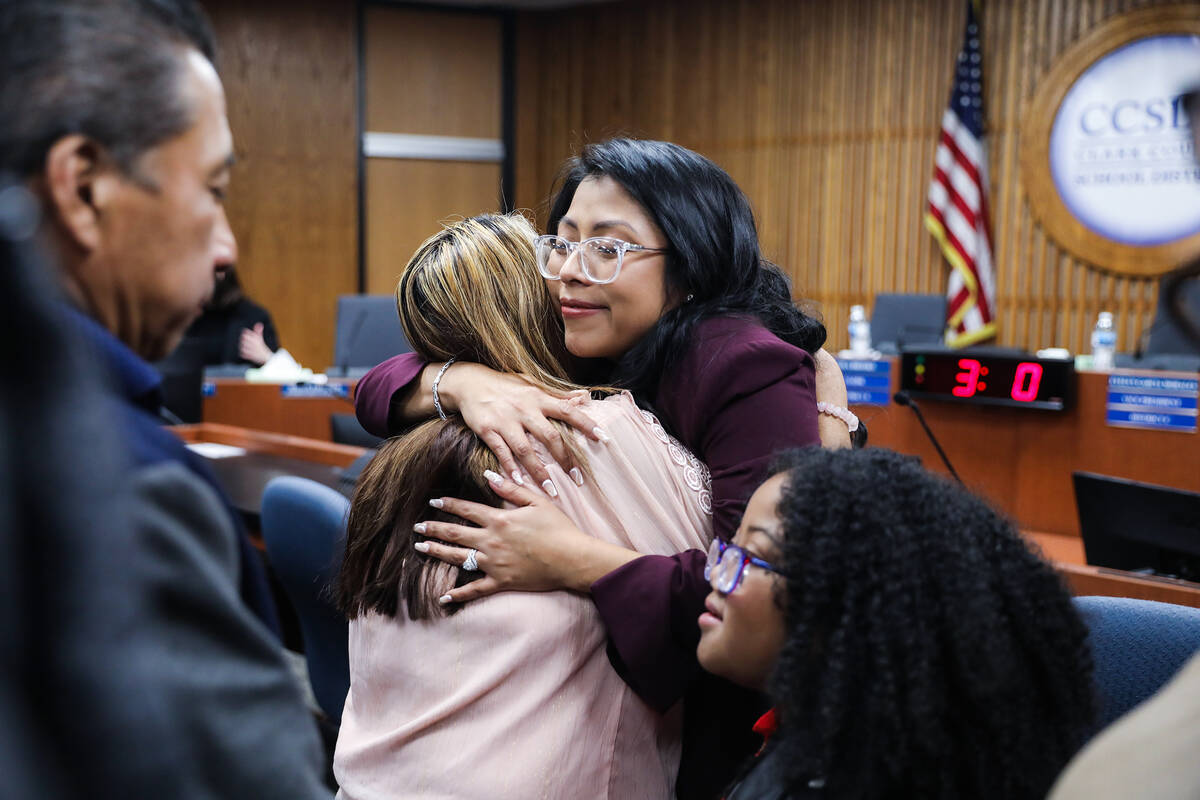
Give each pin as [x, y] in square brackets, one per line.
[727, 564]
[600, 257]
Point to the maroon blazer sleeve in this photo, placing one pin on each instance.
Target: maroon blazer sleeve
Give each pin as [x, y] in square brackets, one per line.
[650, 608]
[373, 396]
[739, 397]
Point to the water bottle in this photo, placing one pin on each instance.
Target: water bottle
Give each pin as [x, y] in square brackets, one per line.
[1104, 342]
[860, 331]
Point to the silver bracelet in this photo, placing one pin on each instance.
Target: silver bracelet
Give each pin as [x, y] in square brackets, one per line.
[437, 401]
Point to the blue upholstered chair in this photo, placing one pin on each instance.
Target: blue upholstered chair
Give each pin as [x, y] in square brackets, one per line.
[346, 429]
[304, 527]
[1137, 646]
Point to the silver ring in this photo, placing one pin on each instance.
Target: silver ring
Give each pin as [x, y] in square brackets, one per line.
[471, 565]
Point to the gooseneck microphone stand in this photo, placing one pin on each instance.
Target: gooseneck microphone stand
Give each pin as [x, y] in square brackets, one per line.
[903, 398]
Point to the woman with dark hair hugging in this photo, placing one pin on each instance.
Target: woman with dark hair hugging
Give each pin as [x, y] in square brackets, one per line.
[511, 697]
[913, 646]
[653, 259]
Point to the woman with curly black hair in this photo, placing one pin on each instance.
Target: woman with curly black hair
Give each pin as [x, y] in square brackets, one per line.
[913, 646]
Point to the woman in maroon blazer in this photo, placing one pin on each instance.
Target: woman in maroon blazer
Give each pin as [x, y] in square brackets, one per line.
[654, 258]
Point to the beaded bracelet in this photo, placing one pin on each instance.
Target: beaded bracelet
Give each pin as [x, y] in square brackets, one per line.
[844, 414]
[437, 401]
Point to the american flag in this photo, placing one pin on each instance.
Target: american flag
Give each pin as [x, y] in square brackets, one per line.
[958, 209]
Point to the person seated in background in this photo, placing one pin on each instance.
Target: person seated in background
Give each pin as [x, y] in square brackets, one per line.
[912, 644]
[233, 328]
[511, 696]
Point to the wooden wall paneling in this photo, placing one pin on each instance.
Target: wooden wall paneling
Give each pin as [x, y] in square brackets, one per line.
[409, 200]
[856, 104]
[432, 72]
[1003, 42]
[827, 115]
[289, 75]
[532, 114]
[887, 109]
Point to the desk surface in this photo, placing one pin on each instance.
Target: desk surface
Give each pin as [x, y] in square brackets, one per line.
[268, 455]
[271, 454]
[1022, 459]
[1066, 554]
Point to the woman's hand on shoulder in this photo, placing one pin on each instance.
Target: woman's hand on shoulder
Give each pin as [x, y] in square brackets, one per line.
[531, 547]
[508, 413]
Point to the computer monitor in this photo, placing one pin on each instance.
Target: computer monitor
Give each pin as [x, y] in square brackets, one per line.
[1138, 526]
[907, 319]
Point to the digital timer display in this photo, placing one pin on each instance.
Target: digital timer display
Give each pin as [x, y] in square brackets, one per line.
[972, 377]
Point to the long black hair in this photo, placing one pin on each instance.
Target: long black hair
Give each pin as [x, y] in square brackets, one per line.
[714, 252]
[929, 652]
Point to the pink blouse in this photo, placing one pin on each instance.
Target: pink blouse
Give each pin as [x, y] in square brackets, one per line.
[513, 696]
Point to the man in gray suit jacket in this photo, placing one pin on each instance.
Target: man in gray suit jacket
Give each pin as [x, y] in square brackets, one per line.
[131, 664]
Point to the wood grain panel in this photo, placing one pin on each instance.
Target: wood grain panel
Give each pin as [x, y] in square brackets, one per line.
[827, 115]
[264, 407]
[289, 74]
[432, 72]
[408, 200]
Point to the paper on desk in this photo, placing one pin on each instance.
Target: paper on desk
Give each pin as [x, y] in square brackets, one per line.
[282, 368]
[214, 450]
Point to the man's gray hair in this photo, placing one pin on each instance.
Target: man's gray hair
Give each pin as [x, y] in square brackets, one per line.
[108, 69]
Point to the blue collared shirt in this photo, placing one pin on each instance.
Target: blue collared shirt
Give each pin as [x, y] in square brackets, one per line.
[135, 381]
[138, 387]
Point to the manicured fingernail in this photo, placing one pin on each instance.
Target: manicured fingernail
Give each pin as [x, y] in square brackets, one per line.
[444, 599]
[517, 479]
[421, 547]
[437, 502]
[548, 485]
[577, 476]
[493, 477]
[601, 434]
[419, 528]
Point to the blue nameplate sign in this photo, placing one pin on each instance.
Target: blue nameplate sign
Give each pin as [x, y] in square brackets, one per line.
[208, 389]
[1152, 402]
[868, 381]
[341, 390]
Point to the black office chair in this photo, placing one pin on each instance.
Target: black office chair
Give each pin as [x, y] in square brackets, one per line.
[182, 382]
[345, 429]
[368, 333]
[907, 319]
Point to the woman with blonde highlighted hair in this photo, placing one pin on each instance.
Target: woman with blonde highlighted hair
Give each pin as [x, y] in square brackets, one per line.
[512, 696]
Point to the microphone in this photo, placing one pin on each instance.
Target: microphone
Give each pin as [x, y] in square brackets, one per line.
[904, 399]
